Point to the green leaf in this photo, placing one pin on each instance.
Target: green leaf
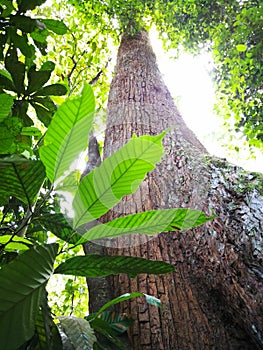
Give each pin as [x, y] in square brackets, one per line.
[55, 26]
[60, 227]
[21, 178]
[79, 332]
[21, 43]
[7, 139]
[108, 339]
[16, 69]
[43, 114]
[36, 79]
[6, 102]
[153, 300]
[119, 322]
[241, 47]
[150, 299]
[15, 243]
[25, 5]
[150, 223]
[7, 8]
[67, 134]
[54, 89]
[22, 285]
[46, 329]
[104, 265]
[24, 23]
[118, 175]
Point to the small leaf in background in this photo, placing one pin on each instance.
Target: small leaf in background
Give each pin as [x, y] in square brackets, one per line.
[22, 286]
[104, 265]
[14, 243]
[6, 102]
[25, 5]
[43, 114]
[55, 26]
[153, 300]
[241, 47]
[54, 90]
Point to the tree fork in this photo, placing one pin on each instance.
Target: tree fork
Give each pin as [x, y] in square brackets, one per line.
[214, 299]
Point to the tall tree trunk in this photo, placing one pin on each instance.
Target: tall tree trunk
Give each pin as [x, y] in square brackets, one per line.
[214, 299]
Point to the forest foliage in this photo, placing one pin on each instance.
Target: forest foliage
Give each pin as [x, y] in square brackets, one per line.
[45, 122]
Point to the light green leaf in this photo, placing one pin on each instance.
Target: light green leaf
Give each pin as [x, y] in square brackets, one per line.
[78, 331]
[21, 178]
[150, 223]
[22, 285]
[241, 47]
[15, 243]
[153, 300]
[103, 265]
[118, 175]
[67, 134]
[150, 299]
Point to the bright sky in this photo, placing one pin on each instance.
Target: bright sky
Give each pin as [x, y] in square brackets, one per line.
[189, 82]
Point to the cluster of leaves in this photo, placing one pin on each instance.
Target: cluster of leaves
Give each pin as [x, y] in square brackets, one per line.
[98, 192]
[21, 83]
[29, 203]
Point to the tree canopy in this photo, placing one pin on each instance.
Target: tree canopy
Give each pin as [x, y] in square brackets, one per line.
[231, 30]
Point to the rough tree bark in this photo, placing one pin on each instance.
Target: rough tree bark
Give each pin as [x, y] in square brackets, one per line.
[214, 299]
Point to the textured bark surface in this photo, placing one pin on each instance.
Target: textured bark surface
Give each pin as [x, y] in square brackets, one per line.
[214, 299]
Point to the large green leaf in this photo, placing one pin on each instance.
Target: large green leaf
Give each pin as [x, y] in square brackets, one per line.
[103, 265]
[150, 223]
[54, 90]
[36, 79]
[67, 134]
[79, 332]
[21, 178]
[118, 175]
[22, 285]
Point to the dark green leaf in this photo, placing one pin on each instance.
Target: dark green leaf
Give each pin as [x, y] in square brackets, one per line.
[20, 42]
[22, 285]
[25, 5]
[7, 8]
[45, 102]
[43, 114]
[60, 227]
[21, 178]
[16, 69]
[55, 26]
[54, 89]
[109, 341]
[104, 265]
[36, 79]
[24, 23]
